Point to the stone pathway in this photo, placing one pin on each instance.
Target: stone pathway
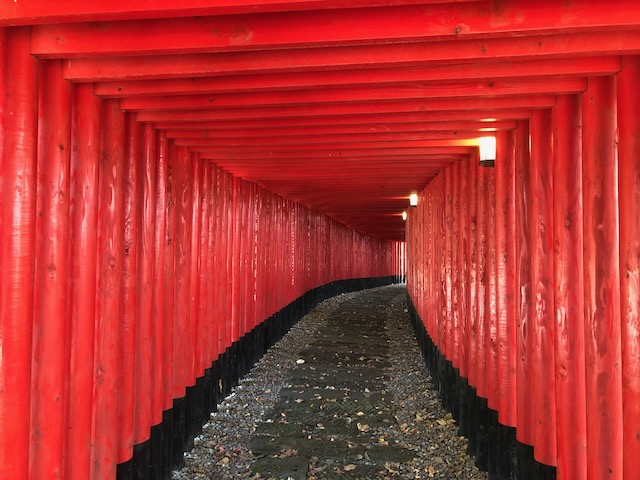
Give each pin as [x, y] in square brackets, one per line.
[345, 395]
[327, 419]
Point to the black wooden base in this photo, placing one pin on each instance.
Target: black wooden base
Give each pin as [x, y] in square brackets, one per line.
[164, 451]
[494, 446]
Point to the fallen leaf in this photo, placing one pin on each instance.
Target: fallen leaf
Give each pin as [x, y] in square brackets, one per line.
[348, 468]
[363, 427]
[432, 471]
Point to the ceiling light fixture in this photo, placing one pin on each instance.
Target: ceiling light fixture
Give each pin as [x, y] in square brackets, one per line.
[487, 151]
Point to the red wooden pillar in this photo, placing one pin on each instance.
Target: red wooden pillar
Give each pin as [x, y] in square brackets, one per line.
[569, 293]
[447, 210]
[463, 268]
[105, 426]
[455, 271]
[243, 269]
[542, 332]
[195, 346]
[169, 355]
[211, 270]
[203, 334]
[602, 280]
[147, 329]
[255, 271]
[235, 273]
[629, 191]
[183, 334]
[127, 335]
[490, 309]
[17, 249]
[85, 158]
[219, 263]
[227, 249]
[506, 274]
[50, 323]
[482, 205]
[524, 371]
[472, 331]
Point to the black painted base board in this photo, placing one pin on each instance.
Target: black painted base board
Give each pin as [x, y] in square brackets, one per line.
[164, 451]
[494, 446]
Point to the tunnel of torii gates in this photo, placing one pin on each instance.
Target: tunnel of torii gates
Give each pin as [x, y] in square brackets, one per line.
[180, 181]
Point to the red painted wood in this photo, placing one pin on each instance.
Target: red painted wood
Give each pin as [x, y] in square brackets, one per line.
[481, 320]
[505, 270]
[490, 307]
[571, 416]
[49, 370]
[629, 202]
[219, 261]
[194, 354]
[448, 263]
[130, 293]
[454, 90]
[204, 272]
[406, 106]
[183, 195]
[524, 367]
[329, 27]
[145, 409]
[42, 11]
[463, 268]
[472, 272]
[344, 151]
[234, 261]
[105, 422]
[384, 113]
[338, 130]
[17, 221]
[365, 77]
[381, 140]
[440, 270]
[342, 120]
[159, 340]
[85, 154]
[228, 238]
[215, 280]
[170, 356]
[400, 55]
[602, 281]
[455, 273]
[541, 304]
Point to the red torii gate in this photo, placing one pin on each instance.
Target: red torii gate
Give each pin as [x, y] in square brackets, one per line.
[111, 112]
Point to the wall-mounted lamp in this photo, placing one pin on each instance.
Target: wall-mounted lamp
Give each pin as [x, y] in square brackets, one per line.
[487, 151]
[404, 216]
[413, 200]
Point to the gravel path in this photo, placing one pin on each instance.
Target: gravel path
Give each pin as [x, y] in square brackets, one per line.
[311, 410]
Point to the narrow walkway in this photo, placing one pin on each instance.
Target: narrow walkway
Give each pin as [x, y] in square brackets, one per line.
[344, 395]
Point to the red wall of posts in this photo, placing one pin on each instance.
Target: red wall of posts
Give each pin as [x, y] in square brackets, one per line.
[128, 265]
[527, 278]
